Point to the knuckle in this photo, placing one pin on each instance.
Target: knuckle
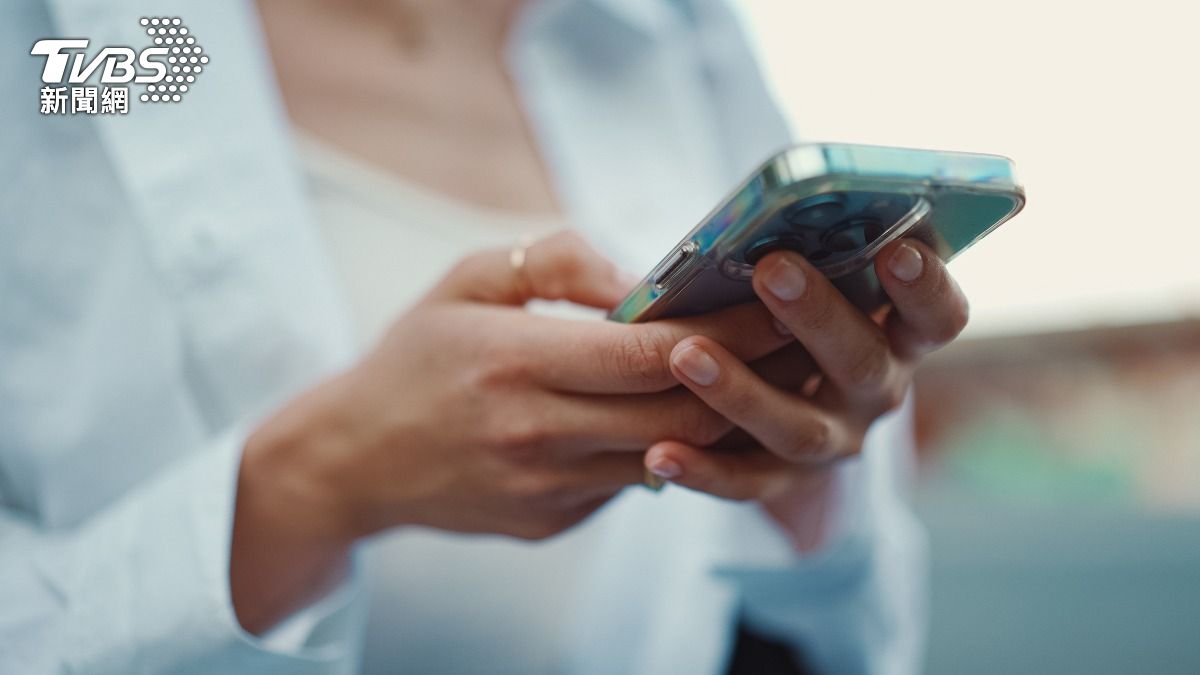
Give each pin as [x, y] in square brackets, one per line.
[820, 439]
[946, 293]
[519, 454]
[643, 357]
[552, 288]
[870, 367]
[497, 368]
[518, 439]
[571, 240]
[854, 447]
[572, 261]
[894, 397]
[550, 280]
[555, 263]
[818, 313]
[813, 440]
[699, 424]
[956, 320]
[573, 254]
[533, 489]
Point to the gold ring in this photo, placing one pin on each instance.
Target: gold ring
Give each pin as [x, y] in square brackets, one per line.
[516, 260]
[652, 481]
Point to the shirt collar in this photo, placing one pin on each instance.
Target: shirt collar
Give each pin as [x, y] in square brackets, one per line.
[648, 17]
[611, 24]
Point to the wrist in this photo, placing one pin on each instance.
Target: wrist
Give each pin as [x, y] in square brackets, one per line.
[290, 468]
[292, 531]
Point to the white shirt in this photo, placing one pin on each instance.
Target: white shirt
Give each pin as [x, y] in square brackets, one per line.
[505, 603]
[389, 239]
[163, 285]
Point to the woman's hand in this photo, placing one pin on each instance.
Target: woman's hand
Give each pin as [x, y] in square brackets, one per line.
[798, 423]
[471, 415]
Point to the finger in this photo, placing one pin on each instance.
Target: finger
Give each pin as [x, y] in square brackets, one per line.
[736, 439]
[566, 267]
[589, 480]
[791, 368]
[608, 357]
[852, 351]
[929, 307]
[740, 475]
[603, 473]
[562, 266]
[790, 426]
[585, 423]
[552, 427]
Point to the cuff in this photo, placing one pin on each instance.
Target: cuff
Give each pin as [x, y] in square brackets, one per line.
[148, 580]
[752, 538]
[857, 603]
[324, 624]
[312, 639]
[867, 494]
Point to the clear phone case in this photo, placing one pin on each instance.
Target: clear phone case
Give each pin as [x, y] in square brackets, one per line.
[836, 204]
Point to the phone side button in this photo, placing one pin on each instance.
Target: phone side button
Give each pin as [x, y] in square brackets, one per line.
[674, 264]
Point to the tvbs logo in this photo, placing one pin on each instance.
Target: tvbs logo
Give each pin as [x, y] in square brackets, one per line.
[168, 69]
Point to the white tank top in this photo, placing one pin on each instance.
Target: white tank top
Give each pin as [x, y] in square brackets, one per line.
[440, 603]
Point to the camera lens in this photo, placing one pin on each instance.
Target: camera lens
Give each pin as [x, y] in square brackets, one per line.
[852, 234]
[782, 242]
[818, 255]
[819, 211]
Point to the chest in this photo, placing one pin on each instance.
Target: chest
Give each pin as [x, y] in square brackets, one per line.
[145, 306]
[443, 115]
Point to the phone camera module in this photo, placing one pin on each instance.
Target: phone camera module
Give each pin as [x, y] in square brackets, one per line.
[816, 212]
[853, 234]
[818, 255]
[835, 231]
[782, 242]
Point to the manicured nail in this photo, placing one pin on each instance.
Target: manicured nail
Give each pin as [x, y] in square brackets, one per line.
[785, 280]
[665, 468]
[697, 365]
[906, 263]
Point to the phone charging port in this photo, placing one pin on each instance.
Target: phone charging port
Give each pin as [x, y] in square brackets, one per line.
[675, 263]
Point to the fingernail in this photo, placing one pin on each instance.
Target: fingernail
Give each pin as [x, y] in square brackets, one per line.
[665, 468]
[906, 263]
[697, 365]
[781, 328]
[785, 280]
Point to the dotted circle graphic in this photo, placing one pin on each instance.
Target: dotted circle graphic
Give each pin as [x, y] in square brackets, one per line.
[184, 61]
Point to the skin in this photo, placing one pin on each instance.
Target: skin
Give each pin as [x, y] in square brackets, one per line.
[417, 88]
[866, 367]
[472, 415]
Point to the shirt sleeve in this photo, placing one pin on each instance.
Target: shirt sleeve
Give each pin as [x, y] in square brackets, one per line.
[858, 603]
[143, 586]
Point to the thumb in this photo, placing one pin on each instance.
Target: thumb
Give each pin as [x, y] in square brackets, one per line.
[562, 266]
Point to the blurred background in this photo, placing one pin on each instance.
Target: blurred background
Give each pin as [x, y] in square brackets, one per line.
[1060, 440]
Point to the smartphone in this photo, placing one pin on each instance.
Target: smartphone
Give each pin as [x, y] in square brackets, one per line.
[837, 205]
